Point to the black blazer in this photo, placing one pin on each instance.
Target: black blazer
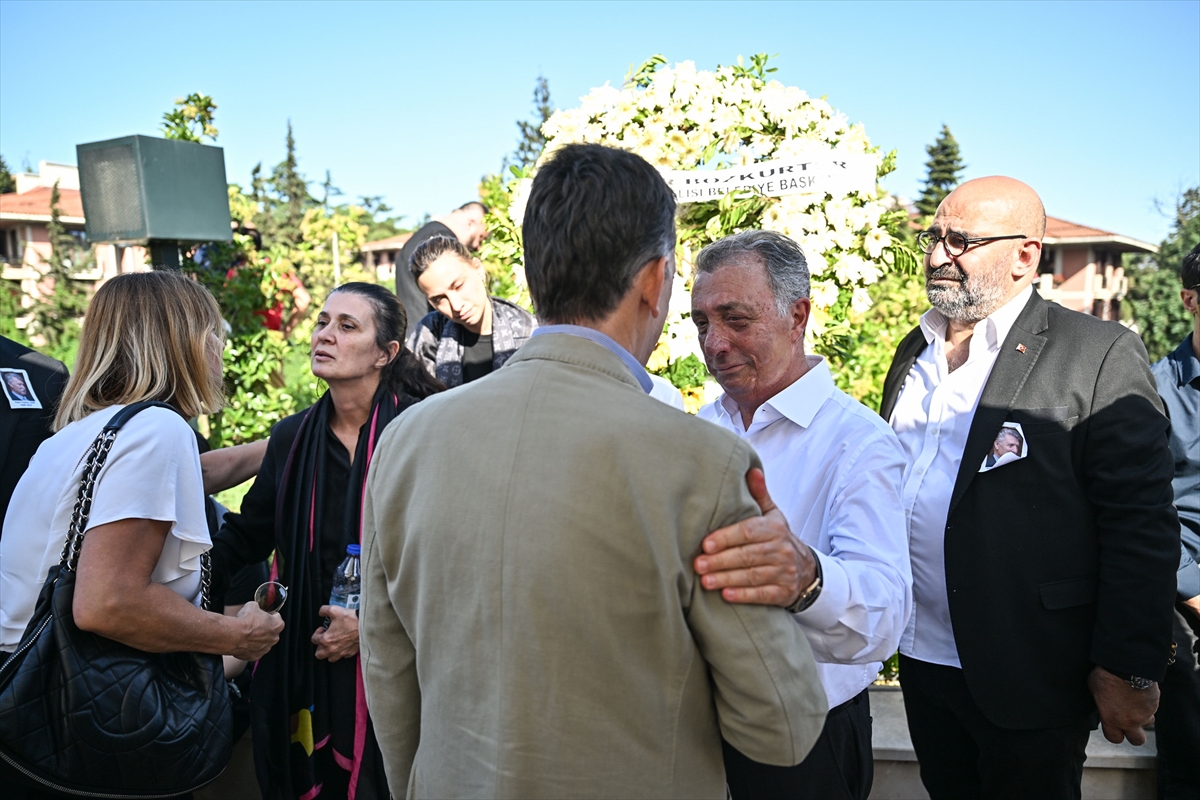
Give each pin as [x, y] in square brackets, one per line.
[1065, 559]
[22, 430]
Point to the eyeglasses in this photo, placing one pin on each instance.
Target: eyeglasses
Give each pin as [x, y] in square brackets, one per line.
[956, 243]
[271, 596]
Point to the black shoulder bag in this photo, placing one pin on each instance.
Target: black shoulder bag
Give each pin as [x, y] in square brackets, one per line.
[86, 715]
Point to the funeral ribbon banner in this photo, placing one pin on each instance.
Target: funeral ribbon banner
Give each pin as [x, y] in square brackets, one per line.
[835, 174]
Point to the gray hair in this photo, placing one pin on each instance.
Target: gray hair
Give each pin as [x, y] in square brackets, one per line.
[787, 269]
[1012, 433]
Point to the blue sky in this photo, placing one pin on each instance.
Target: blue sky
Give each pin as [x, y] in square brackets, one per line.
[1097, 105]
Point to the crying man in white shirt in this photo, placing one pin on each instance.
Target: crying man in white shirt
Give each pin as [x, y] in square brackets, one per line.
[834, 551]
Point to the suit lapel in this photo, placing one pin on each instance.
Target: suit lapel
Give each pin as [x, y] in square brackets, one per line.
[910, 347]
[1011, 370]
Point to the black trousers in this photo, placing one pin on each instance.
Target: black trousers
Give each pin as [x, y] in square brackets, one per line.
[963, 755]
[839, 767]
[1177, 721]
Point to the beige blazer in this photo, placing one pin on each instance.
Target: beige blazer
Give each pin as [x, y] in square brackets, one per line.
[531, 622]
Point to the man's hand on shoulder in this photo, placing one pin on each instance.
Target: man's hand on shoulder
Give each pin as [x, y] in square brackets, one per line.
[1123, 709]
[757, 560]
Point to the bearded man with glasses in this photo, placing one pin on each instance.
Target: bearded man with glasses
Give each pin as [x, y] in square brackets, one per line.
[1031, 625]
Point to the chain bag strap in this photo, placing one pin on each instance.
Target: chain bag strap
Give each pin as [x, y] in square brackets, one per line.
[94, 461]
[89, 716]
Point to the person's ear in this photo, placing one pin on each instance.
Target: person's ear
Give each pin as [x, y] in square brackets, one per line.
[1191, 300]
[387, 357]
[649, 282]
[801, 311]
[1028, 259]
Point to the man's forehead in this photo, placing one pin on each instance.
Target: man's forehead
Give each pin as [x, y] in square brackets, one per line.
[738, 283]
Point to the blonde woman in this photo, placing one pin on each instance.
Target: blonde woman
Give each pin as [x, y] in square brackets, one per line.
[147, 336]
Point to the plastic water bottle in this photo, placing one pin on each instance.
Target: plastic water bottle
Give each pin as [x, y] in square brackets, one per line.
[347, 581]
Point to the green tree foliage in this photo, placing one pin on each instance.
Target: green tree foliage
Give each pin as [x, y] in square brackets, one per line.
[1156, 308]
[8, 183]
[942, 172]
[292, 189]
[191, 120]
[530, 141]
[380, 226]
[1185, 231]
[899, 301]
[1154, 285]
[10, 309]
[56, 313]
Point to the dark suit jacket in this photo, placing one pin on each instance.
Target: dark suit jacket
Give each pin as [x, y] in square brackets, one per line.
[23, 429]
[1065, 559]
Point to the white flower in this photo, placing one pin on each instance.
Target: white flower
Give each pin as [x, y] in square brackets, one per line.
[621, 114]
[837, 212]
[684, 341]
[599, 100]
[860, 301]
[871, 273]
[849, 268]
[876, 241]
[712, 392]
[818, 263]
[818, 242]
[823, 293]
[520, 197]
[726, 116]
[681, 300]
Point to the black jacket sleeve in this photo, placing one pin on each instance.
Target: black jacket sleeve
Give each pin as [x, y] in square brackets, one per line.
[1127, 472]
[248, 537]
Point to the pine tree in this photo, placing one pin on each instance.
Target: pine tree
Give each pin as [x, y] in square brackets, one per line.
[942, 172]
[530, 141]
[291, 187]
[7, 182]
[56, 318]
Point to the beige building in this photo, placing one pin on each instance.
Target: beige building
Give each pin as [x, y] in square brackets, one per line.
[380, 256]
[1081, 267]
[25, 239]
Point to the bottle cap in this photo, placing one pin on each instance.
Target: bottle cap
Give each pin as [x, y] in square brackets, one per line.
[353, 549]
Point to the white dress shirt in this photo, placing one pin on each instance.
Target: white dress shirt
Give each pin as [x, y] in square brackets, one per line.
[835, 468]
[932, 417]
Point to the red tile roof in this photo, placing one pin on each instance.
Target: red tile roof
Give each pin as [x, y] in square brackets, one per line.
[36, 203]
[390, 243]
[1061, 229]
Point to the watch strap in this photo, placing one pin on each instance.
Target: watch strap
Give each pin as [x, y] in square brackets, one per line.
[810, 594]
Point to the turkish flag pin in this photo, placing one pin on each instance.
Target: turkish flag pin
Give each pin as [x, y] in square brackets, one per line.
[1020, 348]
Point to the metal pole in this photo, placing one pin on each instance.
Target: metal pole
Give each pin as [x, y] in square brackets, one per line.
[164, 254]
[337, 262]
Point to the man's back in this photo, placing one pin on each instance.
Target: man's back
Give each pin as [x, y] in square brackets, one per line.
[553, 638]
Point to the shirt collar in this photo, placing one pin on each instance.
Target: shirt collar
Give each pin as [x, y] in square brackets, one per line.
[994, 329]
[1187, 366]
[799, 401]
[593, 335]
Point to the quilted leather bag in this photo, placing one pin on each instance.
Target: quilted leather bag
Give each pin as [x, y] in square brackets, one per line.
[86, 715]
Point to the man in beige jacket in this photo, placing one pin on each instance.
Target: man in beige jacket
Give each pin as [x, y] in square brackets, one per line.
[532, 625]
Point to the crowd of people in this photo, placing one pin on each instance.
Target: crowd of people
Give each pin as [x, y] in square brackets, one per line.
[572, 589]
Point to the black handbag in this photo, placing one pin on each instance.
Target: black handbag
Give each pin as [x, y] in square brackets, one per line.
[85, 715]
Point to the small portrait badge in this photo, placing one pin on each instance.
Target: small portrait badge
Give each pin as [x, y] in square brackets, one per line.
[1009, 446]
[18, 389]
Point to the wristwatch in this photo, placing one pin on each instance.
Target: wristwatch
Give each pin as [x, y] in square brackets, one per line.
[1134, 681]
[810, 594]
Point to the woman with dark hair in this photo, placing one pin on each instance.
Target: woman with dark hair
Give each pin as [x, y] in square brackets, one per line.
[308, 714]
